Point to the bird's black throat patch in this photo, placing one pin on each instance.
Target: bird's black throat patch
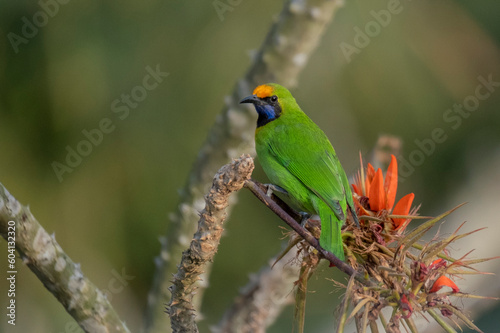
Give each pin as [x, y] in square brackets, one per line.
[268, 111]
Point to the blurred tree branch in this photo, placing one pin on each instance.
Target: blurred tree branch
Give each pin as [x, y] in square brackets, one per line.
[263, 298]
[284, 53]
[58, 273]
[230, 178]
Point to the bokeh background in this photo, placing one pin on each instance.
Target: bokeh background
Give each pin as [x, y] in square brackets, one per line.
[110, 210]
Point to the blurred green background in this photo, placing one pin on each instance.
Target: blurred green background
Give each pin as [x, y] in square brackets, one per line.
[110, 210]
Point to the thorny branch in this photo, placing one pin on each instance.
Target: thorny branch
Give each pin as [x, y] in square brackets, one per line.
[230, 178]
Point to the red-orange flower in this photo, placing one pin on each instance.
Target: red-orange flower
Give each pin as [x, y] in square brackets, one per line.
[444, 281]
[402, 208]
[380, 193]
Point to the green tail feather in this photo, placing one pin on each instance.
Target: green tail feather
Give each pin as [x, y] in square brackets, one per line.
[331, 236]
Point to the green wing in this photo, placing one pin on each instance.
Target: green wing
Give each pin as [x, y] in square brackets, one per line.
[309, 156]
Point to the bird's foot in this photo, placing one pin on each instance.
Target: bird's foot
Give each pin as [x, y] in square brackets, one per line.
[274, 188]
[304, 217]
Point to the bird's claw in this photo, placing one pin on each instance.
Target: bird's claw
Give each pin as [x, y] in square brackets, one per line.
[304, 217]
[274, 188]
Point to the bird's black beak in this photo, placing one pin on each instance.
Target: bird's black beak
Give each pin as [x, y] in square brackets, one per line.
[251, 99]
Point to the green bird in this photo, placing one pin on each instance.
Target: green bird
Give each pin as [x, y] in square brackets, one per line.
[298, 157]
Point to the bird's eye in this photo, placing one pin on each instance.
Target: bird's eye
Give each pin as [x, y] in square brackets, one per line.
[274, 98]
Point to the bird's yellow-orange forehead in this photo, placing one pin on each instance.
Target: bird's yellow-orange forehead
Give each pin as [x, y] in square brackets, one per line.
[263, 91]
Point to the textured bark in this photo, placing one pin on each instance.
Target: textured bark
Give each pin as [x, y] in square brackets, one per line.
[282, 56]
[58, 273]
[230, 178]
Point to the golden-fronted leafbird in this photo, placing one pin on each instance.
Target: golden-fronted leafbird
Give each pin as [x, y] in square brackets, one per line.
[298, 157]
